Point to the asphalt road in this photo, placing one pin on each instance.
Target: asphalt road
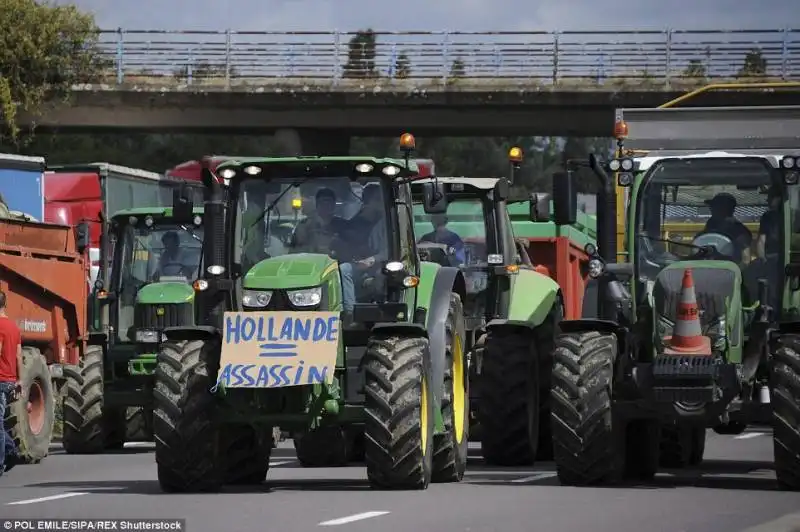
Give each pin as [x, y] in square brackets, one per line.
[734, 490]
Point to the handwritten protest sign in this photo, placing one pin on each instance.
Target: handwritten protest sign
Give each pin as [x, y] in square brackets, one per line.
[278, 349]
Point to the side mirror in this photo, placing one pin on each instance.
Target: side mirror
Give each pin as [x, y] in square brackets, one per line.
[82, 237]
[434, 200]
[565, 198]
[182, 204]
[539, 210]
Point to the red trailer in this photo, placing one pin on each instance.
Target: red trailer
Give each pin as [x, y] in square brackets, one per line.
[43, 272]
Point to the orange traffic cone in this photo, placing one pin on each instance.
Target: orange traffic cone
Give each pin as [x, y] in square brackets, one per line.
[687, 336]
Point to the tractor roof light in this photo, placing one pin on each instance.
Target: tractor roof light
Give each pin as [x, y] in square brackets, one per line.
[227, 173]
[297, 203]
[515, 155]
[364, 168]
[791, 177]
[252, 170]
[620, 130]
[407, 142]
[789, 162]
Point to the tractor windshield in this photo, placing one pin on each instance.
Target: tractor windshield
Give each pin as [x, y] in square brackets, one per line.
[336, 216]
[736, 203]
[461, 231]
[163, 252]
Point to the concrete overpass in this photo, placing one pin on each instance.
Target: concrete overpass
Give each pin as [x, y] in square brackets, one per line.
[313, 87]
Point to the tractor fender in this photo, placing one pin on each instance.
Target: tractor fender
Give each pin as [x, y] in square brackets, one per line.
[532, 299]
[446, 281]
[588, 324]
[191, 332]
[402, 327]
[97, 338]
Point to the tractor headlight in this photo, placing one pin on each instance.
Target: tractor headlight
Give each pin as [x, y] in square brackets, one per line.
[307, 297]
[256, 298]
[718, 333]
[596, 268]
[147, 336]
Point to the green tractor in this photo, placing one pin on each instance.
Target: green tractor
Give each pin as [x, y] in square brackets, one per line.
[512, 314]
[360, 336]
[688, 335]
[109, 397]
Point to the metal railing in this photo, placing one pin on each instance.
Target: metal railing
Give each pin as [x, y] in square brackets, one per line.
[636, 60]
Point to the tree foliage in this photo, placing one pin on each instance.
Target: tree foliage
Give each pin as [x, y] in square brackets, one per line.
[755, 64]
[695, 69]
[361, 52]
[45, 50]
[402, 66]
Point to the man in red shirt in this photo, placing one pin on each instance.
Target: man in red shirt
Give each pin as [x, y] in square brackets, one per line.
[10, 363]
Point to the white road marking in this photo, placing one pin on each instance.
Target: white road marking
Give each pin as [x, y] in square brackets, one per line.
[50, 498]
[352, 518]
[749, 435]
[532, 478]
[273, 464]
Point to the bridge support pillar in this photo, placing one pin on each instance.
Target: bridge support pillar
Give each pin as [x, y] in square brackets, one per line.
[295, 142]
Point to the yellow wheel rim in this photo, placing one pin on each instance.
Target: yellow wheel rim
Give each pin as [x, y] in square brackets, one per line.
[459, 394]
[423, 416]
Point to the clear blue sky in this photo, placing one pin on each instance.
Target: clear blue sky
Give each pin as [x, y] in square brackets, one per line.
[467, 15]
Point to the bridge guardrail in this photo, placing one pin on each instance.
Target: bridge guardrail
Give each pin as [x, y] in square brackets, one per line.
[570, 60]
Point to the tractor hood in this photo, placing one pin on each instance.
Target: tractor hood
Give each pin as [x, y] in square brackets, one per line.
[718, 288]
[289, 271]
[166, 292]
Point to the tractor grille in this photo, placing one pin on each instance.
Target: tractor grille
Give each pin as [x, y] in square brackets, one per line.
[159, 316]
[711, 285]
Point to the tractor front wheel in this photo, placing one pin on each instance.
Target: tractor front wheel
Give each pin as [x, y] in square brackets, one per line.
[450, 447]
[247, 453]
[398, 405]
[187, 440]
[785, 397]
[586, 440]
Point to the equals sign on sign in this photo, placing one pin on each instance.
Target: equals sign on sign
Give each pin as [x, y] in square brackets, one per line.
[278, 350]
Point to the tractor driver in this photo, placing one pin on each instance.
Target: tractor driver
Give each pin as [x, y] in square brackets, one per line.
[367, 236]
[722, 221]
[172, 260]
[316, 234]
[442, 235]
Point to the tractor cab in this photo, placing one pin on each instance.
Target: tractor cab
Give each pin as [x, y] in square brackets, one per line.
[156, 260]
[474, 234]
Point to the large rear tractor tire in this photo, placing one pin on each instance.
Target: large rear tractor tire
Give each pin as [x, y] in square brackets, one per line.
[398, 403]
[586, 441]
[785, 397]
[247, 454]
[187, 440]
[450, 447]
[323, 447]
[509, 407]
[545, 336]
[137, 426]
[89, 427]
[30, 418]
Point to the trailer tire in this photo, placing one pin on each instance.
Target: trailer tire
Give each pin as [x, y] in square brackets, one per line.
[642, 439]
[785, 397]
[247, 453]
[187, 439]
[398, 406]
[450, 447]
[586, 438]
[509, 408]
[732, 428]
[323, 447]
[33, 430]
